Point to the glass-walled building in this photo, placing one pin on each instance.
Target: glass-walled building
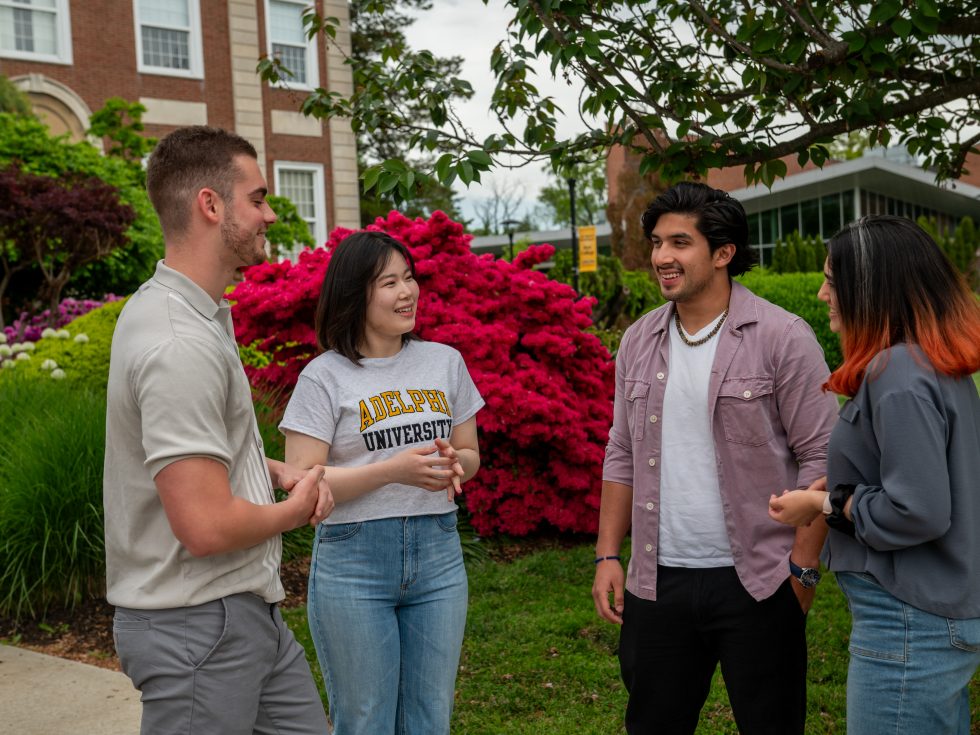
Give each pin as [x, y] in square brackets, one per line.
[820, 202]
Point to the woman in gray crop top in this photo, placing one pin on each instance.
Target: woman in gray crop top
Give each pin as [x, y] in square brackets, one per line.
[393, 418]
[903, 470]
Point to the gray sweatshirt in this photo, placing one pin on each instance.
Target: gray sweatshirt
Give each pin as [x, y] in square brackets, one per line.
[910, 442]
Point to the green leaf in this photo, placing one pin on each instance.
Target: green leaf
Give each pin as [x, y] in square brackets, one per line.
[480, 158]
[771, 170]
[443, 166]
[879, 44]
[465, 171]
[902, 27]
[855, 41]
[387, 182]
[395, 166]
[884, 10]
[370, 177]
[928, 8]
[925, 23]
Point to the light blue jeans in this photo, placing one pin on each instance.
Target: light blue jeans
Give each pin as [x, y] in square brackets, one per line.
[910, 670]
[387, 609]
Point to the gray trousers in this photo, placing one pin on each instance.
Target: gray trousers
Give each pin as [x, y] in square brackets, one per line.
[227, 666]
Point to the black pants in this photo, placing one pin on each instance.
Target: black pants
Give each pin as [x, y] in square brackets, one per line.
[668, 651]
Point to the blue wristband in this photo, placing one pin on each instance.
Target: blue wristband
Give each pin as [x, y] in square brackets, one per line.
[605, 558]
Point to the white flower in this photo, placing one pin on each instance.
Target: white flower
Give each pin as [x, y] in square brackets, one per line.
[17, 347]
[28, 346]
[58, 374]
[3, 338]
[81, 338]
[8, 363]
[5, 350]
[63, 334]
[23, 356]
[48, 332]
[49, 365]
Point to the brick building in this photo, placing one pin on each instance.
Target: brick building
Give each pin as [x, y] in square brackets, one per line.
[193, 62]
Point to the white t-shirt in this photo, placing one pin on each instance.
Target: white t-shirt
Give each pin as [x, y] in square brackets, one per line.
[692, 521]
[372, 411]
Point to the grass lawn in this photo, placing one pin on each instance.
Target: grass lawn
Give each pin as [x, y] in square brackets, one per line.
[537, 659]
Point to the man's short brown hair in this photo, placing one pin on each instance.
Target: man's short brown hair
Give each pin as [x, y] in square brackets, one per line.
[186, 161]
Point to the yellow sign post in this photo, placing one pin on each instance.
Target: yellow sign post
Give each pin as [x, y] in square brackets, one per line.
[588, 251]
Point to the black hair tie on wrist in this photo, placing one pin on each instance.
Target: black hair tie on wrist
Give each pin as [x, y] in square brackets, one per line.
[838, 499]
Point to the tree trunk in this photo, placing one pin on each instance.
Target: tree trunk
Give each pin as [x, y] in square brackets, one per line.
[634, 194]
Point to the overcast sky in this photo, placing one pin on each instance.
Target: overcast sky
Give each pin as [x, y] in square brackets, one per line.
[470, 29]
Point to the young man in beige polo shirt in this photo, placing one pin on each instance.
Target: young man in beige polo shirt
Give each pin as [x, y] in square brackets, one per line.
[191, 523]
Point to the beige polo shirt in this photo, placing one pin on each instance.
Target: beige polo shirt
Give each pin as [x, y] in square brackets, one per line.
[177, 390]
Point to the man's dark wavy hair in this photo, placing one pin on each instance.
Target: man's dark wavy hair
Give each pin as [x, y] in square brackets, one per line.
[719, 217]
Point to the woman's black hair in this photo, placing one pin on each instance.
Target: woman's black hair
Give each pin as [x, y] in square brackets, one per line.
[341, 313]
[718, 216]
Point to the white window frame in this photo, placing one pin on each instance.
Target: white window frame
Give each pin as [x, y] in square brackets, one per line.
[62, 35]
[312, 54]
[194, 46]
[319, 194]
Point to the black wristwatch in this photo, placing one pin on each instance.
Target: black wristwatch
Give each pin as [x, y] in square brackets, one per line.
[806, 576]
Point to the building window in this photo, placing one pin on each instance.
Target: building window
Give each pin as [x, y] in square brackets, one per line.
[36, 30]
[847, 210]
[302, 184]
[789, 217]
[286, 40]
[830, 214]
[168, 37]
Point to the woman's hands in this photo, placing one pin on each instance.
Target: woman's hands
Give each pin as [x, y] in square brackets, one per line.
[432, 467]
[797, 507]
[447, 451]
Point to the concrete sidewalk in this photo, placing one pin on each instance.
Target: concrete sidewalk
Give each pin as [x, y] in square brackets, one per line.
[45, 695]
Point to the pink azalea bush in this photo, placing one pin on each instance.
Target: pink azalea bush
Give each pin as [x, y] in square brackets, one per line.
[548, 383]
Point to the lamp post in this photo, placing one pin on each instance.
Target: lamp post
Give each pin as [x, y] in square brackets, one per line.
[571, 212]
[510, 224]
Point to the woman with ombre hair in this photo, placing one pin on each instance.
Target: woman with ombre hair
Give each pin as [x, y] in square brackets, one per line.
[903, 468]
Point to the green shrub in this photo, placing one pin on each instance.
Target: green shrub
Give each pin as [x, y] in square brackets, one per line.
[797, 293]
[796, 254]
[28, 143]
[623, 296]
[51, 530]
[86, 365]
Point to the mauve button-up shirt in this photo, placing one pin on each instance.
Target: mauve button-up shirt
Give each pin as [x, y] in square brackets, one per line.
[770, 421]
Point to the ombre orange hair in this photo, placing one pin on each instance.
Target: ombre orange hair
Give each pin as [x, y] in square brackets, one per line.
[894, 285]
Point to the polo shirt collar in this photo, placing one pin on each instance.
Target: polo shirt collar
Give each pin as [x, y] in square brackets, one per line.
[196, 296]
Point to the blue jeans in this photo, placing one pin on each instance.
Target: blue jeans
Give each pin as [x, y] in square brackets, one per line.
[910, 670]
[387, 609]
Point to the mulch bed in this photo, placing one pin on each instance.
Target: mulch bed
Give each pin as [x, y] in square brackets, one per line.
[84, 633]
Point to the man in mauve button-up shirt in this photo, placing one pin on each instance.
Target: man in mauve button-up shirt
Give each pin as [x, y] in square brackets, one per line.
[719, 403]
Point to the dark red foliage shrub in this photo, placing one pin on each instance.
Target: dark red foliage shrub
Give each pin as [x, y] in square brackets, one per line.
[548, 384]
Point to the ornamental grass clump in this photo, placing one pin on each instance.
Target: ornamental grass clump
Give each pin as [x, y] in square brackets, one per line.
[547, 381]
[51, 454]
